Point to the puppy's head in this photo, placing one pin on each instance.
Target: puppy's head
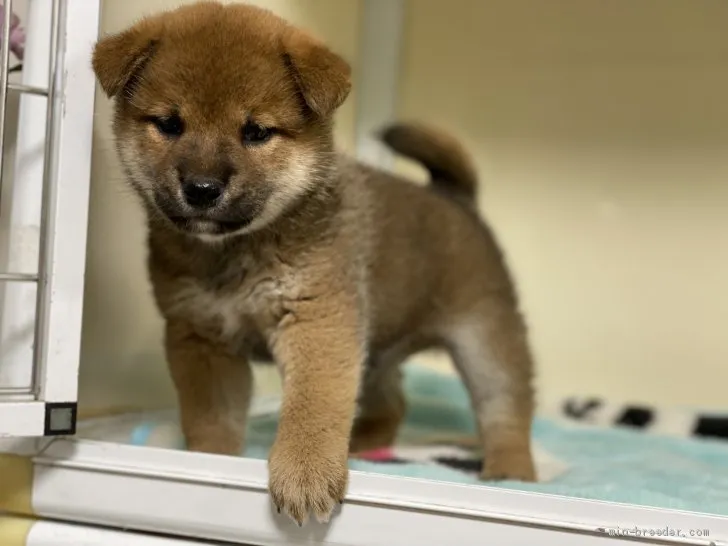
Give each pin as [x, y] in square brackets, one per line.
[222, 114]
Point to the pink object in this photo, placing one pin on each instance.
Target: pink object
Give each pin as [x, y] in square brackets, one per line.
[17, 35]
[383, 454]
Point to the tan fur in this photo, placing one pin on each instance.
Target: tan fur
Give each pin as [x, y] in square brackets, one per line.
[335, 270]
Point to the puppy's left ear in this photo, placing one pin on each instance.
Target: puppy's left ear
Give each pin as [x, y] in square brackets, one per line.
[323, 77]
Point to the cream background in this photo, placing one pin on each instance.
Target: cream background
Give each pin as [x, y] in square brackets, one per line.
[601, 132]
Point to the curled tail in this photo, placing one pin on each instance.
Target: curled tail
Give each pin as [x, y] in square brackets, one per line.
[450, 166]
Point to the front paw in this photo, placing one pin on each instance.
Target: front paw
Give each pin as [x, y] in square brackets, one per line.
[305, 480]
[511, 466]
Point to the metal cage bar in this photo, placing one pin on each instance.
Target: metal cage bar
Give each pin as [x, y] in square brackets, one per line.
[53, 112]
[4, 76]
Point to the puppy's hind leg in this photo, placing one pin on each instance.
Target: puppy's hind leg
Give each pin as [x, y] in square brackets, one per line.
[382, 407]
[490, 350]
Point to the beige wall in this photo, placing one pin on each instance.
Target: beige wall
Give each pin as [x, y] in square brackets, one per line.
[601, 131]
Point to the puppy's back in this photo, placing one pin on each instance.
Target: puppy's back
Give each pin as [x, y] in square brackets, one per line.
[432, 255]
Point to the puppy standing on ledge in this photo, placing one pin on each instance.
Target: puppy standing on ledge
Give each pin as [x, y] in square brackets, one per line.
[263, 240]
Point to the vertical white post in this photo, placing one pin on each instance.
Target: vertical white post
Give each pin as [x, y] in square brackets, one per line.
[380, 43]
[66, 197]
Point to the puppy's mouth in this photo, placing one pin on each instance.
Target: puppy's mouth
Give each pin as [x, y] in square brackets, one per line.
[208, 226]
[220, 220]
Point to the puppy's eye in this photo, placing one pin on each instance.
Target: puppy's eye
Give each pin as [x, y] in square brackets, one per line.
[252, 133]
[171, 126]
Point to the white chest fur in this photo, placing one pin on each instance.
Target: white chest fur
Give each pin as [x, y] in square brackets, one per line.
[230, 313]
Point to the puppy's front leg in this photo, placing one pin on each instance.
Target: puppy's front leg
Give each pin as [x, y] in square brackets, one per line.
[213, 390]
[320, 351]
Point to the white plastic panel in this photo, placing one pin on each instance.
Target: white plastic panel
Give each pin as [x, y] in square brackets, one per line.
[51, 533]
[226, 499]
[22, 419]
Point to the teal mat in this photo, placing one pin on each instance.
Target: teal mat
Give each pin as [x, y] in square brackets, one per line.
[607, 464]
[610, 464]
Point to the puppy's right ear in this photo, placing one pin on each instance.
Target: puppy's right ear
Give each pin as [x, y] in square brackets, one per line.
[118, 59]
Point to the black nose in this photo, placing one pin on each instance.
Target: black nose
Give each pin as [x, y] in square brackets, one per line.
[202, 192]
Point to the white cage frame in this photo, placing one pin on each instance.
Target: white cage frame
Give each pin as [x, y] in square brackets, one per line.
[74, 486]
[48, 406]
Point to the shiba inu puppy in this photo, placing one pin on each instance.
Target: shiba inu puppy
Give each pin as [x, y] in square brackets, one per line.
[263, 240]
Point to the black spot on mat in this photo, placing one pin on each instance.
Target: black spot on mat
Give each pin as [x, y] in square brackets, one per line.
[635, 417]
[396, 460]
[577, 410]
[393, 460]
[713, 427]
[465, 465]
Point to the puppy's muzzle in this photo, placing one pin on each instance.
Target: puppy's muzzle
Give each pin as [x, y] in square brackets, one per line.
[202, 192]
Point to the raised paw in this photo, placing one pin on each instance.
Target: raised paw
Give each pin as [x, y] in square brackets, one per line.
[303, 483]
